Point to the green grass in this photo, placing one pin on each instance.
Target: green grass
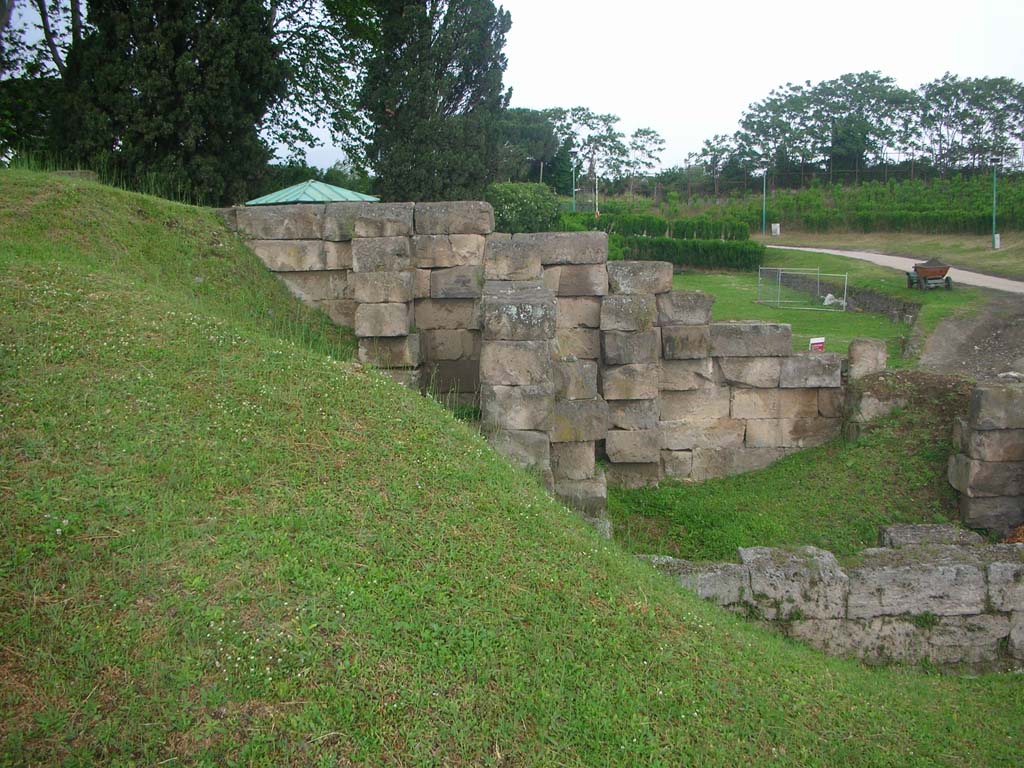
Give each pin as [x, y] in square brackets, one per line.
[224, 545]
[835, 497]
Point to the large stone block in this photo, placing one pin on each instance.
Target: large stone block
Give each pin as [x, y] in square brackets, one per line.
[819, 369]
[625, 347]
[578, 312]
[582, 343]
[867, 356]
[376, 220]
[1016, 645]
[229, 217]
[454, 218]
[875, 641]
[677, 465]
[633, 446]
[576, 379]
[579, 421]
[1006, 586]
[755, 404]
[524, 316]
[997, 407]
[582, 280]
[421, 283]
[397, 352]
[989, 444]
[914, 534]
[551, 278]
[831, 402]
[682, 375]
[721, 583]
[695, 405]
[436, 251]
[525, 449]
[573, 461]
[451, 377]
[757, 372]
[318, 286]
[587, 496]
[632, 414]
[685, 342]
[710, 433]
[986, 478]
[638, 381]
[381, 254]
[516, 363]
[627, 313]
[891, 589]
[337, 255]
[806, 584]
[566, 247]
[281, 222]
[798, 403]
[967, 639]
[528, 407]
[685, 308]
[722, 462]
[741, 339]
[381, 320]
[450, 344]
[995, 513]
[639, 475]
[341, 311]
[506, 259]
[289, 255]
[457, 282]
[791, 433]
[450, 314]
[382, 287]
[407, 377]
[639, 276]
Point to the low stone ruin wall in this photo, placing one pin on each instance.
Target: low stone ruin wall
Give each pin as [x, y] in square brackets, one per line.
[933, 593]
[988, 466]
[571, 358]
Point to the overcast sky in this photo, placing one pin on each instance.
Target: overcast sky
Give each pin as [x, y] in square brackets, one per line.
[688, 69]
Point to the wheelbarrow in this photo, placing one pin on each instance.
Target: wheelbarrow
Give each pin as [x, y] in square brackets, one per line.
[930, 274]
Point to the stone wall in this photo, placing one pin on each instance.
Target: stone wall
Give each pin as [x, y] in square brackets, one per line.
[930, 592]
[988, 466]
[572, 359]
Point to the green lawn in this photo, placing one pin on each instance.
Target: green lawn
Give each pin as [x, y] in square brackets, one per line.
[222, 544]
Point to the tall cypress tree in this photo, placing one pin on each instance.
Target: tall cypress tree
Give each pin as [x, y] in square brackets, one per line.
[432, 93]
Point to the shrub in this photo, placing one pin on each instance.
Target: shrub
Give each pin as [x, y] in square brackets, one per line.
[706, 254]
[523, 207]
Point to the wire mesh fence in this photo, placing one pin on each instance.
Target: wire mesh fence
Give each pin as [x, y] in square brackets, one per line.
[802, 289]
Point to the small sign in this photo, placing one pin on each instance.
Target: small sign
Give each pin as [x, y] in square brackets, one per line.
[776, 230]
[817, 344]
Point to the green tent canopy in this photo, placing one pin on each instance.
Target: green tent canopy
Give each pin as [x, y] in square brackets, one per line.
[312, 192]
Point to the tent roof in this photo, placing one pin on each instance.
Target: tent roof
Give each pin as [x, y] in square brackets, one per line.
[312, 192]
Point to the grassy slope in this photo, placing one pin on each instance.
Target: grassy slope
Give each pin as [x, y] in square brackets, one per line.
[267, 556]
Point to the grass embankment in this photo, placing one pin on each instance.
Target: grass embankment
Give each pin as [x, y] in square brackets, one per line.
[736, 294]
[222, 546]
[835, 497]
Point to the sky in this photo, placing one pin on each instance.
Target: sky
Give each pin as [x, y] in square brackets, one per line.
[688, 70]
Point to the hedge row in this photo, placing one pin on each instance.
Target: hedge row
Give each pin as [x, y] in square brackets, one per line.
[523, 207]
[705, 254]
[696, 228]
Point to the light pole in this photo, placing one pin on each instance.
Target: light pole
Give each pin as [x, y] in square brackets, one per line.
[764, 202]
[995, 237]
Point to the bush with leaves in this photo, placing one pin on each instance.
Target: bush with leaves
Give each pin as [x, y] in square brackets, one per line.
[523, 207]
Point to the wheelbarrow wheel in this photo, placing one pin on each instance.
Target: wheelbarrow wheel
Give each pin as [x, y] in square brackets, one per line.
[949, 283]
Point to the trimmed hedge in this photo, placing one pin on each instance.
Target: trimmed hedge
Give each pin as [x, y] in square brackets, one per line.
[635, 225]
[705, 254]
[523, 207]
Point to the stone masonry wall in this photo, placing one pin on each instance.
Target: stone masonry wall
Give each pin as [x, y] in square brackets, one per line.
[930, 592]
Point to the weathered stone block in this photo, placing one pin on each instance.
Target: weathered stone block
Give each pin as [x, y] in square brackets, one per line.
[566, 247]
[632, 414]
[694, 433]
[454, 218]
[638, 381]
[722, 462]
[677, 465]
[913, 535]
[551, 278]
[579, 421]
[381, 287]
[381, 320]
[576, 379]
[421, 283]
[639, 276]
[685, 342]
[281, 222]
[506, 259]
[625, 347]
[867, 356]
[573, 461]
[818, 369]
[437, 251]
[646, 475]
[451, 377]
[1006, 586]
[229, 217]
[798, 403]
[516, 287]
[378, 220]
[583, 343]
[697, 404]
[682, 375]
[995, 513]
[451, 314]
[1016, 645]
[397, 352]
[721, 583]
[875, 641]
[578, 312]
[516, 363]
[891, 589]
[807, 583]
[523, 448]
[758, 372]
[755, 404]
[341, 311]
[337, 255]
[739, 339]
[997, 407]
[456, 282]
[450, 345]
[520, 316]
[831, 402]
[407, 377]
[791, 433]
[967, 639]
[684, 308]
[634, 446]
[318, 286]
[586, 496]
[289, 255]
[528, 407]
[582, 280]
[986, 478]
[381, 254]
[627, 313]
